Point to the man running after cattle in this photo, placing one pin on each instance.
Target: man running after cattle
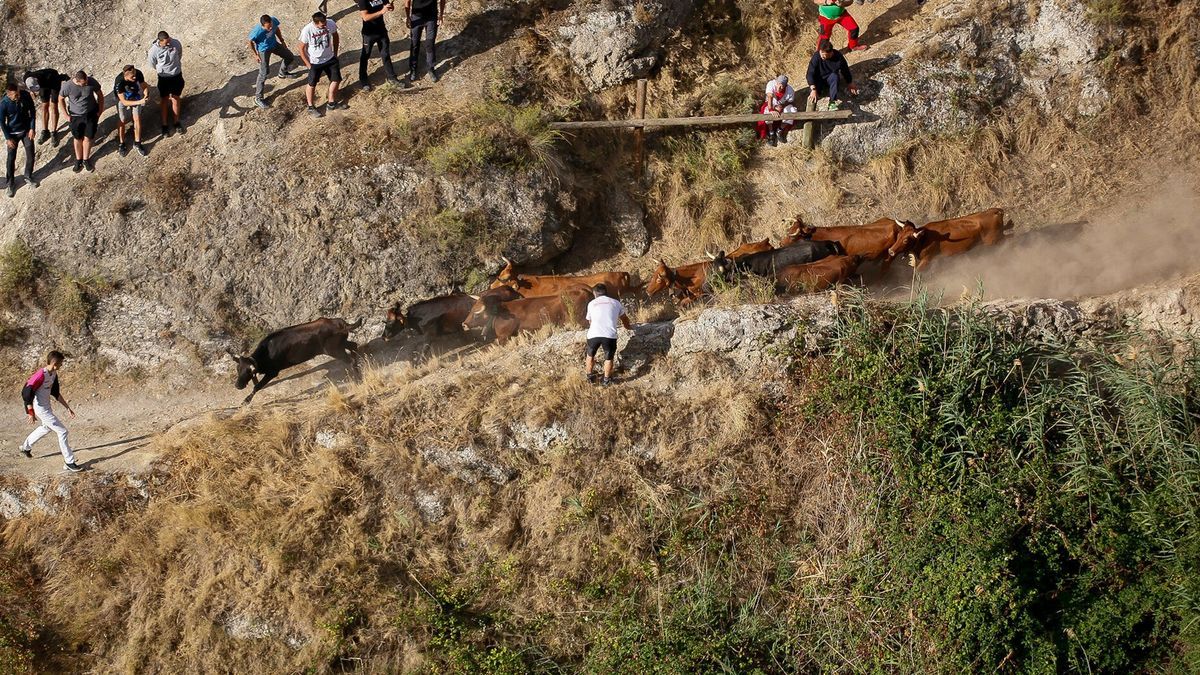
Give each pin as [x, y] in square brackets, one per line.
[829, 75]
[166, 57]
[266, 39]
[834, 13]
[780, 97]
[18, 117]
[319, 43]
[83, 100]
[39, 389]
[46, 83]
[423, 18]
[375, 32]
[130, 91]
[602, 315]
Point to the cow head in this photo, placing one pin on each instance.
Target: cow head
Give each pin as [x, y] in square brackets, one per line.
[662, 278]
[797, 231]
[246, 368]
[395, 322]
[483, 313]
[909, 237]
[720, 265]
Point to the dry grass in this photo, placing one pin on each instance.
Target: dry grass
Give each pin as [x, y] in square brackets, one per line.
[257, 528]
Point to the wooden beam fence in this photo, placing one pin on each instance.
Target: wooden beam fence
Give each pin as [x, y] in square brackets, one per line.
[658, 122]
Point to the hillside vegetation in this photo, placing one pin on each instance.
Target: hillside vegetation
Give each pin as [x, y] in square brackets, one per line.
[928, 493]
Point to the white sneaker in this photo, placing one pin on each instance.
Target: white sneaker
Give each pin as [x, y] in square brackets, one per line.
[26, 450]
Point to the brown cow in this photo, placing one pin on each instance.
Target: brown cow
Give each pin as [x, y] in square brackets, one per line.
[871, 241]
[540, 286]
[688, 282]
[506, 319]
[750, 248]
[816, 276]
[949, 237]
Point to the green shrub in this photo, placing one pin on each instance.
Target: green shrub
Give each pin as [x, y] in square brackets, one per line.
[497, 134]
[1035, 505]
[1108, 12]
[18, 270]
[74, 300]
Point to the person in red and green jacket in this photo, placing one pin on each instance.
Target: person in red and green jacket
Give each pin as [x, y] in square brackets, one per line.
[834, 13]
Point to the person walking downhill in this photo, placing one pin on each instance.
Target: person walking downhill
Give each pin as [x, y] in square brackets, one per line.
[602, 315]
[829, 75]
[130, 91]
[423, 17]
[319, 44]
[267, 39]
[18, 118]
[83, 100]
[834, 13]
[166, 58]
[46, 83]
[375, 32]
[39, 389]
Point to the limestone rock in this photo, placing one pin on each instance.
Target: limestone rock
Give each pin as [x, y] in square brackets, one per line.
[613, 44]
[629, 223]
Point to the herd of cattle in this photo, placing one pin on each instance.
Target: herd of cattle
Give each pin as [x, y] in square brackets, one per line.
[808, 259]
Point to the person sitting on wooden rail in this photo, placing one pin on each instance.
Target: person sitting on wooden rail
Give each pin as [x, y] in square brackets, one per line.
[780, 99]
[834, 13]
[829, 75]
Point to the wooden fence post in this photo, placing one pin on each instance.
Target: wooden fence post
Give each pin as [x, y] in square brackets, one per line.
[810, 128]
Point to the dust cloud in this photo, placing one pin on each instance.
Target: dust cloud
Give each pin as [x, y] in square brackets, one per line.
[1146, 237]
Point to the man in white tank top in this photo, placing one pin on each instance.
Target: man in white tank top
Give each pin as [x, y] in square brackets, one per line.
[41, 387]
[602, 315]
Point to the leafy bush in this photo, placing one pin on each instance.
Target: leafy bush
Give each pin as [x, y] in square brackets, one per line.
[18, 270]
[1035, 506]
[74, 300]
[493, 133]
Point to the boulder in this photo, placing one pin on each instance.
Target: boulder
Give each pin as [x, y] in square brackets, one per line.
[613, 44]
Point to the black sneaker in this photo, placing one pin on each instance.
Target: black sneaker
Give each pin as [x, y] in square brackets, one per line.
[591, 378]
[27, 451]
[78, 166]
[178, 128]
[31, 180]
[141, 149]
[166, 131]
[606, 381]
[413, 76]
[366, 86]
[44, 137]
[337, 105]
[288, 75]
[434, 77]
[90, 165]
[771, 140]
[12, 189]
[57, 138]
[783, 138]
[122, 149]
[406, 83]
[72, 467]
[313, 112]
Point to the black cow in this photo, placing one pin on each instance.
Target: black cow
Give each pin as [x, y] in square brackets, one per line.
[800, 253]
[294, 345]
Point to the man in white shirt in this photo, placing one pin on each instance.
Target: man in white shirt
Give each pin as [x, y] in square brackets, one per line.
[602, 315]
[38, 391]
[780, 99]
[319, 43]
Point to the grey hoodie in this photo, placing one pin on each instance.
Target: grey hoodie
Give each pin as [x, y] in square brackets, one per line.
[167, 60]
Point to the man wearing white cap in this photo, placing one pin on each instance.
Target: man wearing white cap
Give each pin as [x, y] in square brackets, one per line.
[45, 85]
[780, 99]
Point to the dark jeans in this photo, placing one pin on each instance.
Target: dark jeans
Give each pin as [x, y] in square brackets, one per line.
[11, 165]
[831, 87]
[385, 53]
[428, 27]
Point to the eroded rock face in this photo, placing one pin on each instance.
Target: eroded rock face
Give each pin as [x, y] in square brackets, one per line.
[616, 42]
[948, 80]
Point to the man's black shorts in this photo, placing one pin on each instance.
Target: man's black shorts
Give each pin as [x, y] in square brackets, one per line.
[330, 69]
[84, 126]
[48, 95]
[170, 85]
[609, 344]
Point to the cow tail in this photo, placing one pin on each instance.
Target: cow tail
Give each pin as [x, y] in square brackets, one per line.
[357, 324]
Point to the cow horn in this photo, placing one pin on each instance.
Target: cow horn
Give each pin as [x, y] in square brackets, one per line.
[506, 261]
[711, 256]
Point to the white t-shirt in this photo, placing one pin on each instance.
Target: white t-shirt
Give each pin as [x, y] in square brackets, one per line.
[602, 315]
[319, 41]
[789, 94]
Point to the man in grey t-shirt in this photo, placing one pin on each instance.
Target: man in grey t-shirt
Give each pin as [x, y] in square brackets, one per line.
[83, 100]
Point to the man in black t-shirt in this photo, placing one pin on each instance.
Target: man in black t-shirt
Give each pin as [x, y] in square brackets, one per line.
[423, 18]
[130, 91]
[374, 32]
[49, 82]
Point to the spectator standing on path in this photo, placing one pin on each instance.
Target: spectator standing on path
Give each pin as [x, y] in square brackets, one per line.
[18, 118]
[829, 75]
[423, 19]
[130, 91]
[83, 100]
[46, 83]
[166, 58]
[39, 389]
[319, 43]
[375, 32]
[832, 13]
[780, 99]
[266, 39]
[603, 313]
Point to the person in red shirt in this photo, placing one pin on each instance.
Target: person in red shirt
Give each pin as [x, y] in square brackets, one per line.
[834, 13]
